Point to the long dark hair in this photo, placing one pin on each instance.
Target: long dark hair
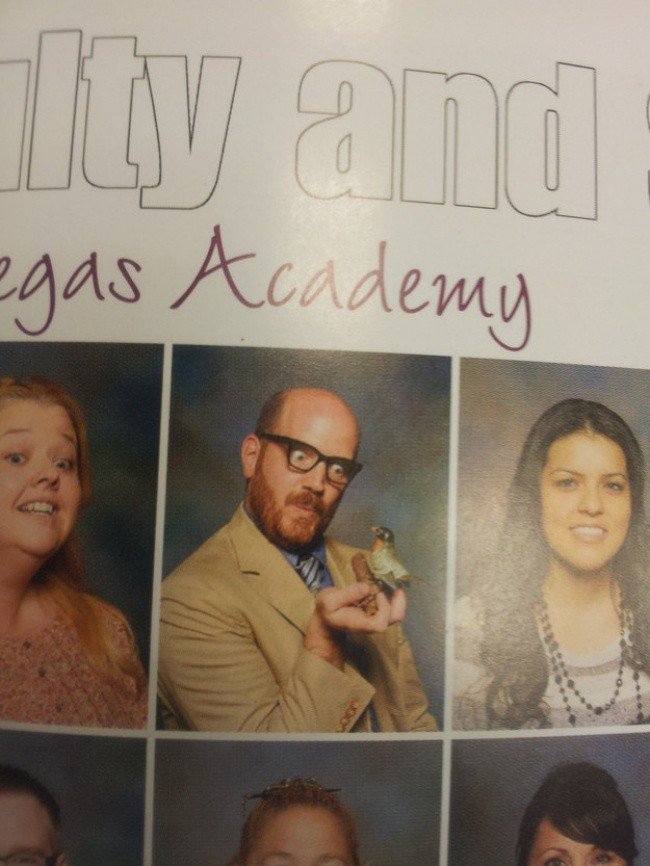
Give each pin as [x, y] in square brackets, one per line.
[511, 650]
[582, 802]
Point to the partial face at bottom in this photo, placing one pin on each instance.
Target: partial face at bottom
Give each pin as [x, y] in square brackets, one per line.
[552, 848]
[301, 836]
[26, 830]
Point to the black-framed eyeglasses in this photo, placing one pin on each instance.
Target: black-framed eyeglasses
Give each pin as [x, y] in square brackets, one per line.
[28, 858]
[303, 457]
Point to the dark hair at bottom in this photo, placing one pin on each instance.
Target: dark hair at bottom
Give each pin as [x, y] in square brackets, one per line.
[14, 780]
[581, 801]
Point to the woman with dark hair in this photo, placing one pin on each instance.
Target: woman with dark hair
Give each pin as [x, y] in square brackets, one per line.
[298, 821]
[577, 817]
[66, 657]
[557, 633]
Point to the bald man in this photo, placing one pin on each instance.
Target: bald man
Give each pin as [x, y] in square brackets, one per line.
[261, 628]
[30, 821]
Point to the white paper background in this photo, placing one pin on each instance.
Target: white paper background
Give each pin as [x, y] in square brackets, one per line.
[587, 278]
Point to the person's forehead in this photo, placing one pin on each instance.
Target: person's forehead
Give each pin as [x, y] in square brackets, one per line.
[321, 419]
[304, 827]
[587, 447]
[24, 822]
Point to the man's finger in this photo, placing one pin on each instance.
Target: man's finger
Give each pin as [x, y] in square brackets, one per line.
[353, 619]
[397, 606]
[335, 597]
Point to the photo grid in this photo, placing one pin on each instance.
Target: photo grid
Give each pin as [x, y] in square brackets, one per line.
[459, 674]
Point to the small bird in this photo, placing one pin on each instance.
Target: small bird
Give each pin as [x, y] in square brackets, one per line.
[385, 573]
[386, 567]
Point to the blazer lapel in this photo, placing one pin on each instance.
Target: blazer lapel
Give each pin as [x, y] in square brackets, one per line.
[269, 572]
[338, 564]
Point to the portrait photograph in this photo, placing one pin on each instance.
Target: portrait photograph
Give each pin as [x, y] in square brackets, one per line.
[79, 428]
[360, 803]
[76, 799]
[386, 419]
[552, 573]
[543, 800]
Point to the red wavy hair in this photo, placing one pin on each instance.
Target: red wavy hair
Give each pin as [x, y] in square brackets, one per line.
[61, 581]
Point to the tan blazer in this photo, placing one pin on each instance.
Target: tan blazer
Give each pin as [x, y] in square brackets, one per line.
[231, 648]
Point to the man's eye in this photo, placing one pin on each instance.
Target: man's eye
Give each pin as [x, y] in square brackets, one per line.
[301, 457]
[338, 472]
[64, 463]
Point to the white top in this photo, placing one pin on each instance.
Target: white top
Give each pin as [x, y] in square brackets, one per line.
[594, 675]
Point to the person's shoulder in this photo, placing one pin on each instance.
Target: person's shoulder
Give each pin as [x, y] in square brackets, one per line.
[213, 558]
[111, 618]
[209, 579]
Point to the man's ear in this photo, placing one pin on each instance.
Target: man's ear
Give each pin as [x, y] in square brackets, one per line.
[251, 448]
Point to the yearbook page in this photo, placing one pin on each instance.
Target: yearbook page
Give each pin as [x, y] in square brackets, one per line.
[324, 429]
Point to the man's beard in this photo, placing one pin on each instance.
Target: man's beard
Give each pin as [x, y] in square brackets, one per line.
[289, 533]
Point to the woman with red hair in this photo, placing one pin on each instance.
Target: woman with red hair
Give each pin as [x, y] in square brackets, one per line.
[298, 821]
[66, 657]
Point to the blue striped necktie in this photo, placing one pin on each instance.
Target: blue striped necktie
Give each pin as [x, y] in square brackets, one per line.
[310, 570]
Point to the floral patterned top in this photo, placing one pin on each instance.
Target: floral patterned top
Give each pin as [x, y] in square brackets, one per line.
[47, 679]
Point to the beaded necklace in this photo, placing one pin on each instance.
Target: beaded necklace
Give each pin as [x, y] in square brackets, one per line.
[567, 684]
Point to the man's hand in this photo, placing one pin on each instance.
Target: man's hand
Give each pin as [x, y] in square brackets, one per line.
[337, 612]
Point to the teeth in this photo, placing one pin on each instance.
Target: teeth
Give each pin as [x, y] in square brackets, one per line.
[589, 531]
[38, 507]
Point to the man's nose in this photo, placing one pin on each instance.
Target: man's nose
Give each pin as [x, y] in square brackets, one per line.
[591, 501]
[316, 478]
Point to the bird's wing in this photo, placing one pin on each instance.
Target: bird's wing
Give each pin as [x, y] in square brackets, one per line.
[385, 564]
